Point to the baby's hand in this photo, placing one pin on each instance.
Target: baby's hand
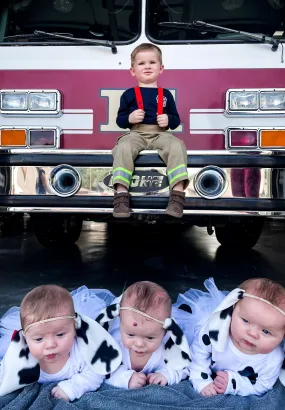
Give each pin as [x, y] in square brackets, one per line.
[157, 378]
[137, 380]
[162, 120]
[209, 390]
[136, 116]
[58, 393]
[221, 382]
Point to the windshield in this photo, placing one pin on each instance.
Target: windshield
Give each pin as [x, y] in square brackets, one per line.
[115, 20]
[255, 16]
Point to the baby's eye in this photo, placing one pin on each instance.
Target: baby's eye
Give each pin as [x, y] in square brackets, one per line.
[38, 339]
[129, 334]
[245, 320]
[141, 63]
[266, 332]
[60, 334]
[150, 338]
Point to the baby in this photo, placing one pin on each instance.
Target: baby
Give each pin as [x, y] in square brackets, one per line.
[238, 350]
[145, 310]
[61, 346]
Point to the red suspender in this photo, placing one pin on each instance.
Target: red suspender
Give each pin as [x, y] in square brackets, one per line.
[139, 98]
[159, 102]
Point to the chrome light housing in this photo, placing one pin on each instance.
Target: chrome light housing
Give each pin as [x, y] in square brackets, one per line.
[255, 101]
[30, 102]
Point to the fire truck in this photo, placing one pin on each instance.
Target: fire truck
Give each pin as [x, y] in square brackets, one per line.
[63, 67]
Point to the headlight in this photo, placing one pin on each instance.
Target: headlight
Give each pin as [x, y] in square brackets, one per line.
[14, 101]
[30, 102]
[243, 100]
[274, 100]
[42, 102]
[255, 101]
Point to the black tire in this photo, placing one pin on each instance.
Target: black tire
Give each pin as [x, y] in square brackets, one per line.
[242, 235]
[57, 230]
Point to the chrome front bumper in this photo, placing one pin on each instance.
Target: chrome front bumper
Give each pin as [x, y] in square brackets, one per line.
[255, 184]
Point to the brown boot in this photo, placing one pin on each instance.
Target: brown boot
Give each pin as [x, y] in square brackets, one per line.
[176, 204]
[121, 205]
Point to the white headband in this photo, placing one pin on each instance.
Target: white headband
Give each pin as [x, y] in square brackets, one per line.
[249, 295]
[47, 320]
[162, 322]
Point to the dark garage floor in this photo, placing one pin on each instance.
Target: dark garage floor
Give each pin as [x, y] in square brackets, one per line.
[175, 261]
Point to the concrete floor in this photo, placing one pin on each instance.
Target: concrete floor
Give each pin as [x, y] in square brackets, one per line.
[98, 260]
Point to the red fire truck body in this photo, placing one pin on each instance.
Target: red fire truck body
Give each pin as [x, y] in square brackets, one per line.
[65, 64]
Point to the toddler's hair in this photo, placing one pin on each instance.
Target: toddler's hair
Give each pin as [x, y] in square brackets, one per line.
[45, 302]
[146, 47]
[147, 295]
[267, 289]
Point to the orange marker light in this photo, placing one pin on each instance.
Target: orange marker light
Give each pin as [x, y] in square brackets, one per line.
[272, 138]
[13, 138]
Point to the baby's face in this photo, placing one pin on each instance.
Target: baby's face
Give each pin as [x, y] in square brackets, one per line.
[51, 342]
[140, 335]
[256, 327]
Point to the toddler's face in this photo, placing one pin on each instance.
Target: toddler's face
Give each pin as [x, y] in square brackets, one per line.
[51, 342]
[256, 327]
[142, 339]
[146, 67]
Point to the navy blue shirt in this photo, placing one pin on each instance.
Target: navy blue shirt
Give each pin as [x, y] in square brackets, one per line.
[128, 104]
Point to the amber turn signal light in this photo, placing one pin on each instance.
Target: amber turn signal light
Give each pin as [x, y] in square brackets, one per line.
[13, 138]
[272, 138]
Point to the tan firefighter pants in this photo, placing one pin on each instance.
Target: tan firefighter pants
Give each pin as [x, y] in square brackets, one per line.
[142, 136]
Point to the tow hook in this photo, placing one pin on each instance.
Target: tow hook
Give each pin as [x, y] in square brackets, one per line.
[210, 229]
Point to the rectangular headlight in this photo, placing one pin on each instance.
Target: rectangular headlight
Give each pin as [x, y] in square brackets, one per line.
[30, 102]
[42, 101]
[272, 100]
[243, 100]
[14, 101]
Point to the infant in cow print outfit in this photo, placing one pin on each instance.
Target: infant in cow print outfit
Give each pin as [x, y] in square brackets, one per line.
[57, 345]
[238, 350]
[154, 348]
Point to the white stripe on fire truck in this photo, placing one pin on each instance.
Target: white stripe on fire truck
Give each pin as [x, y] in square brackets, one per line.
[76, 122]
[215, 122]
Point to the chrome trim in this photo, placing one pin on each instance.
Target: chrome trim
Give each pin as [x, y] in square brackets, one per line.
[47, 149]
[216, 176]
[28, 111]
[59, 177]
[109, 152]
[137, 211]
[258, 149]
[256, 112]
[263, 183]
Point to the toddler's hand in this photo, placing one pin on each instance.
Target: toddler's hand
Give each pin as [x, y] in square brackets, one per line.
[221, 382]
[137, 380]
[157, 378]
[136, 116]
[58, 393]
[162, 120]
[209, 390]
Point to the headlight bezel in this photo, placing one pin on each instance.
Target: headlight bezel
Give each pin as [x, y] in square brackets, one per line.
[258, 110]
[29, 94]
